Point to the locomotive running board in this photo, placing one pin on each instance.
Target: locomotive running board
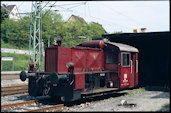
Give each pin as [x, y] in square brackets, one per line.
[98, 91]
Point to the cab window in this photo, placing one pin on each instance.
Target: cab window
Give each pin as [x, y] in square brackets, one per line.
[125, 59]
[111, 56]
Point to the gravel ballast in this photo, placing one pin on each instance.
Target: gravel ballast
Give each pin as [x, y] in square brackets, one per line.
[140, 101]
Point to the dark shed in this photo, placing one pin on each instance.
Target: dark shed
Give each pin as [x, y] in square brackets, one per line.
[154, 55]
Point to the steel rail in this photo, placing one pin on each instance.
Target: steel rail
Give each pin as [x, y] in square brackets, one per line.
[14, 90]
[53, 108]
[18, 104]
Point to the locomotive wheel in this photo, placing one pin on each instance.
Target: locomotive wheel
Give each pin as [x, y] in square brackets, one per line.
[46, 87]
[46, 91]
[32, 89]
[23, 76]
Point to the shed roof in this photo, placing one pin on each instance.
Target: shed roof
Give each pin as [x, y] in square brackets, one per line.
[123, 47]
[77, 17]
[8, 7]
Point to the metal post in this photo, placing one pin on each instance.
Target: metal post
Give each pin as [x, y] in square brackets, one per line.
[40, 39]
[35, 42]
[34, 34]
[13, 65]
[1, 65]
[31, 37]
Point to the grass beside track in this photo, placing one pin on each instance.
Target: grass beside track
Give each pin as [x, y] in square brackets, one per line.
[20, 62]
[146, 88]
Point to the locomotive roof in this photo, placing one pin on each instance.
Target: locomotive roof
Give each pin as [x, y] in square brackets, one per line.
[123, 47]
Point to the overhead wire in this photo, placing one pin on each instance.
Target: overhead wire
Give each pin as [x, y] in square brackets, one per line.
[74, 6]
[124, 26]
[82, 13]
[45, 5]
[85, 9]
[78, 4]
[98, 18]
[49, 9]
[106, 20]
[89, 10]
[20, 4]
[23, 13]
[90, 16]
[67, 4]
[110, 22]
[127, 17]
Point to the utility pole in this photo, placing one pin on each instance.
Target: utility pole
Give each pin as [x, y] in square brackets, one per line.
[35, 42]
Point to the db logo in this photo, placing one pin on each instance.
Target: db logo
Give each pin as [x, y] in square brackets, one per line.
[125, 78]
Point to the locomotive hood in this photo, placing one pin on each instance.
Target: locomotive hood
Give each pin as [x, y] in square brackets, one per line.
[105, 42]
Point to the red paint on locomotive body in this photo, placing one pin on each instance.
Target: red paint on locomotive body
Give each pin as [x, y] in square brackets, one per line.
[87, 60]
[128, 69]
[79, 81]
[51, 59]
[64, 56]
[94, 44]
[125, 69]
[136, 69]
[78, 57]
[133, 67]
[95, 60]
[84, 60]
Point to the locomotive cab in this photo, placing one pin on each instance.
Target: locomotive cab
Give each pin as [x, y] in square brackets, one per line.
[122, 61]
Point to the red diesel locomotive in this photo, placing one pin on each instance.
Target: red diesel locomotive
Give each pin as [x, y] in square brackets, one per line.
[92, 67]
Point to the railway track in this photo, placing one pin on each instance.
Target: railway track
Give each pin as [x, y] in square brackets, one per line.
[9, 75]
[31, 106]
[5, 91]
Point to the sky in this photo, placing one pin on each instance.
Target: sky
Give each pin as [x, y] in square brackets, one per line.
[114, 16]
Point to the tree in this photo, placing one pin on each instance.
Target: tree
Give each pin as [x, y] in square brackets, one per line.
[8, 30]
[96, 29]
[15, 32]
[4, 14]
[23, 36]
[18, 32]
[75, 29]
[52, 26]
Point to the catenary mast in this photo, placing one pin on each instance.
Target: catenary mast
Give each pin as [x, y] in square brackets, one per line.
[35, 42]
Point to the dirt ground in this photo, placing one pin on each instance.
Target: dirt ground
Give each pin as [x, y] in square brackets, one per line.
[137, 100]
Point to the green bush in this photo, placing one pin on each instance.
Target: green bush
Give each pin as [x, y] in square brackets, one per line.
[11, 46]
